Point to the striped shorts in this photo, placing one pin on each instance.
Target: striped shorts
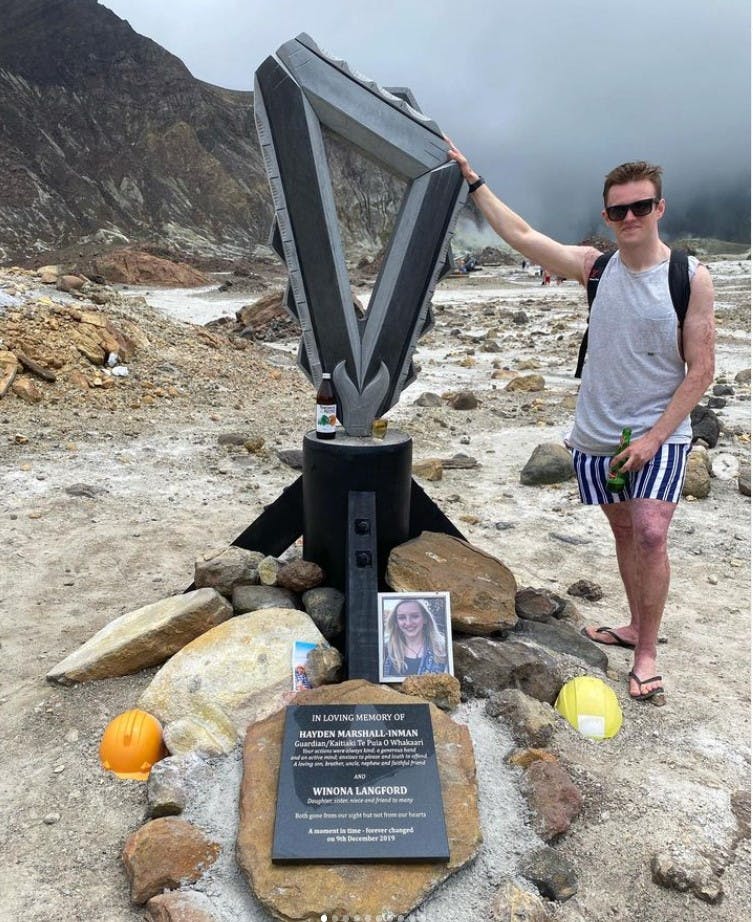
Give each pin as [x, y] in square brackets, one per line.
[661, 478]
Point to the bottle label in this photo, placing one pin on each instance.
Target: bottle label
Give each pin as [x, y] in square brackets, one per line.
[326, 417]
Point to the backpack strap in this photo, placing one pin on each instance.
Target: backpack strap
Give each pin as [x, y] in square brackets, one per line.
[679, 290]
[679, 283]
[592, 284]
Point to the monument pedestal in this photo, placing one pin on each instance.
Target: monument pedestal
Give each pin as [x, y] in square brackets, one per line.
[334, 468]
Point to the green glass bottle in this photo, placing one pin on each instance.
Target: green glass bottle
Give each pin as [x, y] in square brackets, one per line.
[617, 480]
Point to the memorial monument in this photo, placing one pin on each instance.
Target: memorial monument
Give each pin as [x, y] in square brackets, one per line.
[359, 766]
[355, 500]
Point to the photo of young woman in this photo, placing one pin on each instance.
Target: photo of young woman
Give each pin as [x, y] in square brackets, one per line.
[414, 643]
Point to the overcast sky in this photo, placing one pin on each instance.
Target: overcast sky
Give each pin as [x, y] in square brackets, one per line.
[544, 96]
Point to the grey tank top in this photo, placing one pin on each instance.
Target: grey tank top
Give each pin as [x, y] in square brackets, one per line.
[633, 364]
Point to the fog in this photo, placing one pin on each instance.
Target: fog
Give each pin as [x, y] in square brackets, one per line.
[544, 97]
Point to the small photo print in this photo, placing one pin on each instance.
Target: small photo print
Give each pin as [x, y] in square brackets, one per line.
[301, 650]
[415, 634]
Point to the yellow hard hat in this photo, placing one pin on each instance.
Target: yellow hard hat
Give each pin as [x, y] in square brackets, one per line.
[591, 706]
[131, 744]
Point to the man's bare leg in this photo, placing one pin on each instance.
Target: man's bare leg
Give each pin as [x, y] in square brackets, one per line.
[640, 528]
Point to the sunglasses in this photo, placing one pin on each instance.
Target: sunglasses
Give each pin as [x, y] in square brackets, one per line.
[640, 209]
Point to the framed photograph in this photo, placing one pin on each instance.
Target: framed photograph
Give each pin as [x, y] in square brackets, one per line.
[415, 634]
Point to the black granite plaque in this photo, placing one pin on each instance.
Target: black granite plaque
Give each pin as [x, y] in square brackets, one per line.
[359, 782]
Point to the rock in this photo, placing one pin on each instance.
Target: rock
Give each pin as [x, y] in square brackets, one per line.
[324, 665]
[427, 399]
[528, 383]
[549, 463]
[364, 890]
[558, 637]
[84, 489]
[725, 466]
[26, 389]
[705, 425]
[248, 598]
[48, 275]
[485, 666]
[740, 805]
[684, 869]
[267, 571]
[221, 569]
[180, 906]
[324, 605]
[165, 853]
[482, 589]
[537, 604]
[441, 689]
[551, 874]
[553, 798]
[233, 675]
[697, 477]
[70, 283]
[510, 903]
[144, 637]
[232, 439]
[35, 368]
[716, 403]
[464, 400]
[722, 390]
[293, 457]
[743, 377]
[8, 370]
[300, 575]
[459, 462]
[430, 469]
[520, 317]
[531, 722]
[167, 785]
[128, 266]
[743, 480]
[585, 589]
[525, 757]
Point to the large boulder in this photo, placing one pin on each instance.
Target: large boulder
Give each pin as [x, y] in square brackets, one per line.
[368, 890]
[235, 674]
[549, 463]
[484, 666]
[163, 854]
[142, 638]
[482, 589]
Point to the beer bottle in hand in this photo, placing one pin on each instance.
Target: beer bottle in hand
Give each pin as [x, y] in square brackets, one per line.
[617, 479]
[326, 408]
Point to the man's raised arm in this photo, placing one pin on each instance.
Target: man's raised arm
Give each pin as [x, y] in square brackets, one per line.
[570, 262]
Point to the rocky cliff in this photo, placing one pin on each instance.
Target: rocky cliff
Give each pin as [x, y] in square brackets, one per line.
[104, 135]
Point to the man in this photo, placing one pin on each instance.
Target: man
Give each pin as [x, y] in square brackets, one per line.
[640, 372]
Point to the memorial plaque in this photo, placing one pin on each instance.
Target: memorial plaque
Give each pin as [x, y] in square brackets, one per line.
[359, 783]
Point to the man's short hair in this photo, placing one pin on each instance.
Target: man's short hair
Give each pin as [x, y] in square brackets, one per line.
[631, 172]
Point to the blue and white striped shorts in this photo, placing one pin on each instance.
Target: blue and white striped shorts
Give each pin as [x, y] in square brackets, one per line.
[661, 478]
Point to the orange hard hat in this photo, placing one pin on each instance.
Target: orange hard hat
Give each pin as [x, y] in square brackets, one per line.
[131, 744]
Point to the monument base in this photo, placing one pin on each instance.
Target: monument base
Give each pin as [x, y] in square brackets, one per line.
[334, 468]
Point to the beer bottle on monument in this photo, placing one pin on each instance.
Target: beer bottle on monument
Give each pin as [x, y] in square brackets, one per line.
[326, 408]
[617, 479]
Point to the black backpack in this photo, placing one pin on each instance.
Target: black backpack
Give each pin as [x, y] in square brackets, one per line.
[679, 290]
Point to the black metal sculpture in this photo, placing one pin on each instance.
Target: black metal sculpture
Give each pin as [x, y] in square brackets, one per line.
[355, 500]
[296, 92]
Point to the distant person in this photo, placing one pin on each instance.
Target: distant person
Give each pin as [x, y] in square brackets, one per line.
[546, 277]
[642, 372]
[413, 645]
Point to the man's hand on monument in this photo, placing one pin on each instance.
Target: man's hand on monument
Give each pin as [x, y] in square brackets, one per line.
[469, 174]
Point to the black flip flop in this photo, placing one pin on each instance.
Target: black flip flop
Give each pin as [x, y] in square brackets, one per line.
[644, 696]
[617, 641]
